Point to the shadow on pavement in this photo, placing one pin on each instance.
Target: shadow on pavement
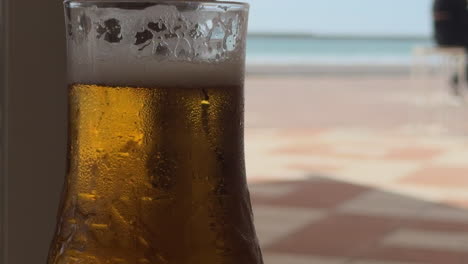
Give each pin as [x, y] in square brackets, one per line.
[325, 221]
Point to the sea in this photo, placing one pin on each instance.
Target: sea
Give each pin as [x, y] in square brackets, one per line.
[332, 50]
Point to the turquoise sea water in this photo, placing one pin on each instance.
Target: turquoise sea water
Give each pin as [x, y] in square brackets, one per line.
[336, 50]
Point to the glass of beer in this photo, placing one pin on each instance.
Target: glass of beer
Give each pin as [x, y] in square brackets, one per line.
[156, 170]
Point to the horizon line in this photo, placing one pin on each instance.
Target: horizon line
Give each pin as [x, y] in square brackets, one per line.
[339, 36]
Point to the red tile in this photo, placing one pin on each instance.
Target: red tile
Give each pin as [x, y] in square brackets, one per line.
[320, 150]
[259, 199]
[442, 226]
[320, 194]
[305, 149]
[457, 203]
[425, 256]
[302, 133]
[259, 179]
[413, 153]
[307, 167]
[439, 177]
[290, 183]
[337, 235]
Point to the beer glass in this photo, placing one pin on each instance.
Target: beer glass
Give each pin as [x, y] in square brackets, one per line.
[156, 169]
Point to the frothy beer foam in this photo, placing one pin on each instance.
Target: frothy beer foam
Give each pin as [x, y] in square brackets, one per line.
[163, 74]
[156, 46]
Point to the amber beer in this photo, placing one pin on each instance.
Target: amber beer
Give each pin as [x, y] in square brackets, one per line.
[156, 170]
[156, 175]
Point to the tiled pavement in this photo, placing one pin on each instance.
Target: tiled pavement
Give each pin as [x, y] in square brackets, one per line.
[297, 225]
[356, 190]
[430, 168]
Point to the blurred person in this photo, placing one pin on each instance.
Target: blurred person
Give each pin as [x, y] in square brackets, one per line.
[451, 28]
[450, 22]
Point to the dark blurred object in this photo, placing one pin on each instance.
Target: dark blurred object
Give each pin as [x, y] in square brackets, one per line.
[451, 29]
[451, 22]
[33, 124]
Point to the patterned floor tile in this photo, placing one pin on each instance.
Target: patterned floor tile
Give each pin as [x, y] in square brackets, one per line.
[380, 262]
[453, 157]
[381, 203]
[438, 225]
[304, 148]
[271, 190]
[313, 167]
[424, 239]
[274, 223]
[345, 151]
[459, 203]
[297, 259]
[302, 133]
[448, 177]
[336, 235]
[433, 194]
[423, 256]
[377, 172]
[413, 153]
[446, 213]
[321, 195]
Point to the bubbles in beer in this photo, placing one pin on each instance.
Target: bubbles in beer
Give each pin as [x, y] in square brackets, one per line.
[156, 173]
[154, 177]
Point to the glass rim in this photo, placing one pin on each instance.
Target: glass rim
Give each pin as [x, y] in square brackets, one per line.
[77, 3]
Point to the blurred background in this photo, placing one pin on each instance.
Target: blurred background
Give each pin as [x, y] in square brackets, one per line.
[356, 132]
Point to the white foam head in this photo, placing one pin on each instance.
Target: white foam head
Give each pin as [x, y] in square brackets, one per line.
[159, 45]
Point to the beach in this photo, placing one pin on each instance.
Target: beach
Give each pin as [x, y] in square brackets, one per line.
[359, 168]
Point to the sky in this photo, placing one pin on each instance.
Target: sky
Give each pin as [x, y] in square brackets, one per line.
[355, 17]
